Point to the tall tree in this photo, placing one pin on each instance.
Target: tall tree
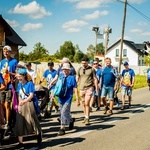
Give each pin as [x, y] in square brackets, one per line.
[100, 49]
[67, 50]
[90, 51]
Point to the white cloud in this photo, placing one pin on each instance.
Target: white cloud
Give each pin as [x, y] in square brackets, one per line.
[72, 30]
[33, 9]
[136, 1]
[136, 31]
[74, 23]
[142, 24]
[145, 34]
[12, 23]
[31, 26]
[95, 14]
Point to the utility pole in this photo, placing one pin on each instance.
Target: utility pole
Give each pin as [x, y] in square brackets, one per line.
[96, 30]
[122, 36]
[107, 32]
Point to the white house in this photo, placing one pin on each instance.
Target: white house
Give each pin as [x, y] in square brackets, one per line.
[132, 53]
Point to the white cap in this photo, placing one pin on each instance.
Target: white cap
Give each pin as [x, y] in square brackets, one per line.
[66, 66]
[7, 47]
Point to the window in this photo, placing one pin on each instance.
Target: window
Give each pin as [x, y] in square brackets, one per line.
[117, 52]
[124, 52]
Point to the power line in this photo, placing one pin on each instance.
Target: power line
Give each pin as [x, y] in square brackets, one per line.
[146, 17]
[139, 12]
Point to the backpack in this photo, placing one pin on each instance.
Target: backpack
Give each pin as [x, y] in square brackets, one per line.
[60, 87]
[126, 79]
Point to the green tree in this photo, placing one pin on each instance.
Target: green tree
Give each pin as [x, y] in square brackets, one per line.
[100, 49]
[67, 50]
[90, 51]
[23, 56]
[147, 60]
[78, 56]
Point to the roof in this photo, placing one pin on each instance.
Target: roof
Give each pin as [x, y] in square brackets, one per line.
[10, 35]
[136, 47]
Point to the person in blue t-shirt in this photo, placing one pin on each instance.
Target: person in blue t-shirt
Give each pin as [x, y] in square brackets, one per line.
[26, 119]
[65, 102]
[49, 75]
[108, 79]
[148, 77]
[98, 71]
[7, 68]
[127, 83]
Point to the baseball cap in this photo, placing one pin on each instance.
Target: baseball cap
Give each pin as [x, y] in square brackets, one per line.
[125, 63]
[7, 48]
[50, 64]
[66, 66]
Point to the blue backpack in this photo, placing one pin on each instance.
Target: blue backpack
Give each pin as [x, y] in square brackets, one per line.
[60, 87]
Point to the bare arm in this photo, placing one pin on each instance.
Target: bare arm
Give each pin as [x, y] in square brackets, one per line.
[2, 87]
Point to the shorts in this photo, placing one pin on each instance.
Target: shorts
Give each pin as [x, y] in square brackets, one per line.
[108, 90]
[99, 93]
[86, 94]
[6, 96]
[126, 90]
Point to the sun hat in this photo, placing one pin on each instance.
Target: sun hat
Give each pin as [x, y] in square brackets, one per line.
[28, 64]
[7, 47]
[22, 71]
[66, 66]
[65, 60]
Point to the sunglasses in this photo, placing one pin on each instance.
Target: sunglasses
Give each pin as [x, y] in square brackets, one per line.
[83, 71]
[95, 63]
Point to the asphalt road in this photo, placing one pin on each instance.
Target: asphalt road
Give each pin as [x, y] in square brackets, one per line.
[124, 130]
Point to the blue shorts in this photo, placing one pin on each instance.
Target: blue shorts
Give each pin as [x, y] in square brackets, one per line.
[94, 93]
[126, 90]
[107, 90]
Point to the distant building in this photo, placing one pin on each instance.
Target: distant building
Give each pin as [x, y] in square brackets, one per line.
[9, 37]
[132, 53]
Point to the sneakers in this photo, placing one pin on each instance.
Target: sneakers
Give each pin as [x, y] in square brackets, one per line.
[129, 106]
[6, 126]
[84, 120]
[61, 132]
[122, 108]
[39, 138]
[56, 109]
[106, 109]
[87, 122]
[110, 112]
[47, 114]
[71, 125]
[20, 146]
[98, 108]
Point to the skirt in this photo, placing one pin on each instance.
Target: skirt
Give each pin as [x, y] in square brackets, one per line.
[26, 120]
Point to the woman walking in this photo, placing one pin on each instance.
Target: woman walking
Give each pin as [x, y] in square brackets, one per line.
[26, 119]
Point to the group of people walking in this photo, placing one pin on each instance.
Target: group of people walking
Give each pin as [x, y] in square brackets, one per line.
[85, 83]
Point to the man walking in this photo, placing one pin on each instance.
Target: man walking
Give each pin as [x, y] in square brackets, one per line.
[8, 67]
[86, 77]
[108, 79]
[127, 82]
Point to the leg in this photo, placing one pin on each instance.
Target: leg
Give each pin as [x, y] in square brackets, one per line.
[123, 91]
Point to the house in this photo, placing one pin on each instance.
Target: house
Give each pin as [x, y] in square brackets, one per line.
[131, 52]
[9, 37]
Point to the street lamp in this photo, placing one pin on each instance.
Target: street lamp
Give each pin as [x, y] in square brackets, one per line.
[96, 30]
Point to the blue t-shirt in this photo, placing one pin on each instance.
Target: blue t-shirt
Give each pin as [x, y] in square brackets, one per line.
[11, 64]
[109, 76]
[1, 79]
[49, 75]
[127, 75]
[148, 73]
[71, 84]
[28, 88]
[98, 73]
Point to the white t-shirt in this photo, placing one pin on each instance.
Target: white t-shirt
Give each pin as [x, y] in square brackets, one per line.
[32, 73]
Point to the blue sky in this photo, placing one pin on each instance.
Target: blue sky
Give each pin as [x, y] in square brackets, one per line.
[52, 22]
